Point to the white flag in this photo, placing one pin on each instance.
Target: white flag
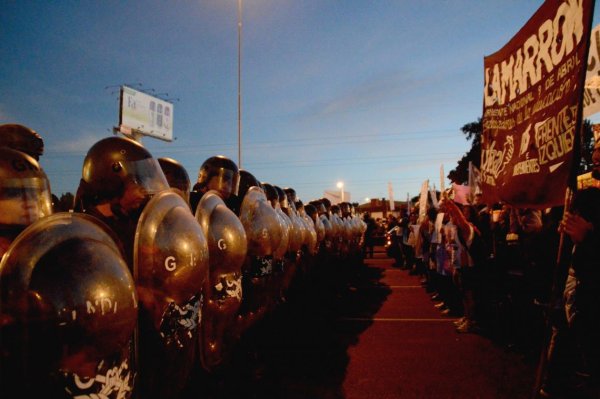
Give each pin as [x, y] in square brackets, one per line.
[423, 200]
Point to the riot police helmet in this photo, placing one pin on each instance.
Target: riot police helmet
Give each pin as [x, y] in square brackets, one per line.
[21, 138]
[116, 166]
[24, 190]
[219, 173]
[291, 194]
[176, 175]
[283, 199]
[271, 193]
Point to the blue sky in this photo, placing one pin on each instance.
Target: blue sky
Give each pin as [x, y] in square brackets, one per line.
[364, 92]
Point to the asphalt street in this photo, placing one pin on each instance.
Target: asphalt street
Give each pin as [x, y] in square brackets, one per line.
[361, 332]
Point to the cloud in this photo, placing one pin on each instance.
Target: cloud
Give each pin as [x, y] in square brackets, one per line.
[371, 93]
[79, 144]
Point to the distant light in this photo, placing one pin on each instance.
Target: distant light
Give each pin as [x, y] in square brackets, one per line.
[367, 199]
[340, 184]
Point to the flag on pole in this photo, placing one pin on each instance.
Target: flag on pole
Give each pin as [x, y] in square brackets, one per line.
[423, 200]
[442, 179]
[391, 195]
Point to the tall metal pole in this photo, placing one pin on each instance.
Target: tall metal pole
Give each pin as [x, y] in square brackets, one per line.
[239, 83]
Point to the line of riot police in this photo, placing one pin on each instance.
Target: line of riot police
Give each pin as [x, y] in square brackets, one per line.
[145, 279]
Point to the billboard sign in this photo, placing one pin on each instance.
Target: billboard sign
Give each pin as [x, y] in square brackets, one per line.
[144, 114]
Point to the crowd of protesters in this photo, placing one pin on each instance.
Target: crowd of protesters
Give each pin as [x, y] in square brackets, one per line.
[527, 278]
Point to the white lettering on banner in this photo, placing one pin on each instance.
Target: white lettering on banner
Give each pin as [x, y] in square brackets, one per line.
[554, 136]
[526, 167]
[494, 161]
[555, 39]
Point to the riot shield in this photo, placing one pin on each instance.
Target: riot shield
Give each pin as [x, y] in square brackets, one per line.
[68, 309]
[227, 248]
[263, 231]
[170, 266]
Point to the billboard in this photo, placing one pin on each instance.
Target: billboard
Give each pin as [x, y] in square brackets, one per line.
[144, 114]
[532, 107]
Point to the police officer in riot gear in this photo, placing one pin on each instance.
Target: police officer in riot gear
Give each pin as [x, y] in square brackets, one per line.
[216, 173]
[119, 177]
[227, 244]
[263, 231]
[123, 185]
[24, 194]
[177, 177]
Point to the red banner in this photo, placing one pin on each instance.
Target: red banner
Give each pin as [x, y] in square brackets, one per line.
[532, 107]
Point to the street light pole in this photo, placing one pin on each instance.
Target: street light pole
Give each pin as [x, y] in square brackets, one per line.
[240, 83]
[340, 185]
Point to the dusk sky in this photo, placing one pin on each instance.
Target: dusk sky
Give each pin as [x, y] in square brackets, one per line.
[364, 92]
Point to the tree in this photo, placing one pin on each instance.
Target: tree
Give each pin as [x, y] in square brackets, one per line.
[472, 131]
[65, 203]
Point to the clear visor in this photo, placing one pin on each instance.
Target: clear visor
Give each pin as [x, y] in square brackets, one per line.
[23, 201]
[146, 174]
[225, 182]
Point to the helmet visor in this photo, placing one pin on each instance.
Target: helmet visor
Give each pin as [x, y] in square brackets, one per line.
[23, 201]
[225, 181]
[147, 174]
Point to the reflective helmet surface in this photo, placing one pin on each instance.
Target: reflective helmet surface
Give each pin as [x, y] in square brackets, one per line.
[291, 194]
[114, 163]
[24, 189]
[176, 175]
[21, 138]
[69, 309]
[221, 174]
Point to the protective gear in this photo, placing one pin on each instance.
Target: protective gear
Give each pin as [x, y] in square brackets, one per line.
[69, 309]
[271, 194]
[227, 247]
[111, 167]
[24, 194]
[177, 177]
[263, 231]
[291, 195]
[24, 190]
[22, 138]
[170, 267]
[219, 173]
[313, 214]
[283, 201]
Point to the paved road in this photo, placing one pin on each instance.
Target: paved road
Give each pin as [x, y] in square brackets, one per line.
[366, 332]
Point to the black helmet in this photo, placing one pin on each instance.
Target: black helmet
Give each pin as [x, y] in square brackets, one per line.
[247, 180]
[226, 173]
[21, 138]
[176, 175]
[326, 203]
[311, 211]
[271, 193]
[114, 162]
[24, 189]
[291, 194]
[283, 199]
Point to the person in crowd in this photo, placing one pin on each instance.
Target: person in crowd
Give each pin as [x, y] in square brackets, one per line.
[369, 240]
[582, 289]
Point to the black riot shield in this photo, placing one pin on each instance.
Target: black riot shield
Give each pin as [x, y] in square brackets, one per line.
[227, 247]
[263, 231]
[68, 312]
[170, 266]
